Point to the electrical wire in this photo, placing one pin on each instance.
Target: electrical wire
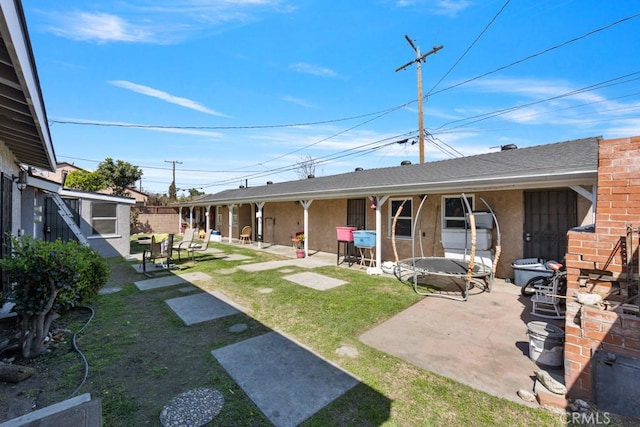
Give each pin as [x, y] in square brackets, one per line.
[470, 47]
[540, 53]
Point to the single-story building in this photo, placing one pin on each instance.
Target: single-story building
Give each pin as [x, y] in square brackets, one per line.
[537, 194]
[30, 204]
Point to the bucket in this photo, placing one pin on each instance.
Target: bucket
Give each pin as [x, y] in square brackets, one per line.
[546, 342]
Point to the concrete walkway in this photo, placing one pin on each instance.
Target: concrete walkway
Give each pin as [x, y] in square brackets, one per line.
[482, 342]
[288, 382]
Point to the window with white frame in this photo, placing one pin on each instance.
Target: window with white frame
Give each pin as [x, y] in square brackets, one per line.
[104, 218]
[218, 216]
[405, 219]
[234, 216]
[454, 210]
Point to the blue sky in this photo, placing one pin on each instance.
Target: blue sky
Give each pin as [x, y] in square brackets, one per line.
[242, 91]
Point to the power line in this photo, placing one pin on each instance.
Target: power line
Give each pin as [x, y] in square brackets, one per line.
[470, 46]
[542, 52]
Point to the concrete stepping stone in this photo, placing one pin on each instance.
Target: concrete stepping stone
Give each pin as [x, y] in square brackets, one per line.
[196, 407]
[315, 281]
[233, 257]
[171, 280]
[200, 308]
[285, 380]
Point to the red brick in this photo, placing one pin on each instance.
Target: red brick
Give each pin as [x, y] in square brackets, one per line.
[615, 339]
[632, 344]
[551, 400]
[623, 351]
[592, 325]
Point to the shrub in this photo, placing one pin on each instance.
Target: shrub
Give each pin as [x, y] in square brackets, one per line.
[48, 279]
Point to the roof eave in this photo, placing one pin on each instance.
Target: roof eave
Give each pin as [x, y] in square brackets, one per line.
[524, 181]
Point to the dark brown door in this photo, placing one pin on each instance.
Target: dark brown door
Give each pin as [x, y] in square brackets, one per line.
[356, 213]
[548, 215]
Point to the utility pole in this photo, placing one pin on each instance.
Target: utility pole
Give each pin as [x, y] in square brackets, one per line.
[173, 182]
[418, 61]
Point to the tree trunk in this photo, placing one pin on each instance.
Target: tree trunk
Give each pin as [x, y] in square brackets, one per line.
[35, 328]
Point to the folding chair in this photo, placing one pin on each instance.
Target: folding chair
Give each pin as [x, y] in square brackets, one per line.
[199, 247]
[158, 250]
[186, 242]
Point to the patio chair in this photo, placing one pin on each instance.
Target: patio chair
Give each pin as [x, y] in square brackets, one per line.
[245, 234]
[186, 242]
[158, 250]
[199, 247]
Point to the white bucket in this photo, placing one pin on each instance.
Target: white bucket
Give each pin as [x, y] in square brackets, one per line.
[546, 343]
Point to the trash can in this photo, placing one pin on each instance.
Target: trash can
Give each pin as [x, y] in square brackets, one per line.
[528, 268]
[546, 343]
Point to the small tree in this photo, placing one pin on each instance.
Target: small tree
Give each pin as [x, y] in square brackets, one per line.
[49, 278]
[306, 167]
[119, 175]
[85, 180]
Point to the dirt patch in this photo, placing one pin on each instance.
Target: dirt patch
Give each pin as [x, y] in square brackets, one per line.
[140, 356]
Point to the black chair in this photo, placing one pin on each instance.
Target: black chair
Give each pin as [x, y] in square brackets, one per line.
[158, 250]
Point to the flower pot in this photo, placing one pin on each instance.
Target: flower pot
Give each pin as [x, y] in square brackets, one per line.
[300, 253]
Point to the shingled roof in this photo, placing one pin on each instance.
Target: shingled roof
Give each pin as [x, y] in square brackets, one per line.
[544, 166]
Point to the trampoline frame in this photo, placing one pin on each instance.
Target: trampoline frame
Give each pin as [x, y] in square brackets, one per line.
[420, 266]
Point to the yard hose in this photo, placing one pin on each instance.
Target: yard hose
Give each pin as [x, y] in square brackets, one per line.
[75, 347]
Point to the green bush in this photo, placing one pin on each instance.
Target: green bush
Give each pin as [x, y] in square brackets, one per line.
[47, 279]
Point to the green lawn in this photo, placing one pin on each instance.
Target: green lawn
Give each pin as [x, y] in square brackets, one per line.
[141, 355]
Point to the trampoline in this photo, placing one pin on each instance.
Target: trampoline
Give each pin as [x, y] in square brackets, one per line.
[451, 278]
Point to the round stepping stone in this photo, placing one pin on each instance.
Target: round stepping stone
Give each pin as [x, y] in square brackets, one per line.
[238, 327]
[265, 290]
[192, 408]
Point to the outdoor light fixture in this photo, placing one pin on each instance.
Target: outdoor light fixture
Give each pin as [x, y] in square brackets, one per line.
[20, 180]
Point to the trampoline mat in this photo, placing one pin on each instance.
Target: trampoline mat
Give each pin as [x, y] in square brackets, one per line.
[444, 266]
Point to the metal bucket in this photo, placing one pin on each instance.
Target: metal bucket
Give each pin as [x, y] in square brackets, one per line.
[546, 343]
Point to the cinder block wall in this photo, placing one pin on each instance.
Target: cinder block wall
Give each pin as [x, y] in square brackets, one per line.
[597, 262]
[157, 219]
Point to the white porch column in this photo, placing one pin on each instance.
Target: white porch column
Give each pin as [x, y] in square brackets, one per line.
[208, 219]
[305, 204]
[231, 207]
[260, 205]
[380, 201]
[191, 217]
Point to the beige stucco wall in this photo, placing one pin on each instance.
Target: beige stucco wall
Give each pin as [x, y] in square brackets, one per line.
[281, 220]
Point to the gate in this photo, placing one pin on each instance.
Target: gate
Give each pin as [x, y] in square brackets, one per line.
[54, 225]
[548, 215]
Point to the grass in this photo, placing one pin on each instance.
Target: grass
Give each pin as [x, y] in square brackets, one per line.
[141, 355]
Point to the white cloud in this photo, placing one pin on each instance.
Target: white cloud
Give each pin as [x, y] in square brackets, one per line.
[155, 93]
[297, 101]
[303, 67]
[448, 8]
[159, 21]
[100, 27]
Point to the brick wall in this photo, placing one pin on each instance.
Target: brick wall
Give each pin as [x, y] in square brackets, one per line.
[596, 262]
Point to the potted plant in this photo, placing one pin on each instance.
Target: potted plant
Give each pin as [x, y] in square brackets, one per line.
[300, 246]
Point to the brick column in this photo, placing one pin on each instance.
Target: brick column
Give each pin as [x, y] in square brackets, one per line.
[594, 257]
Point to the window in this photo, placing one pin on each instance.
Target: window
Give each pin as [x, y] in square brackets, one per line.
[405, 220]
[453, 211]
[104, 218]
[218, 216]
